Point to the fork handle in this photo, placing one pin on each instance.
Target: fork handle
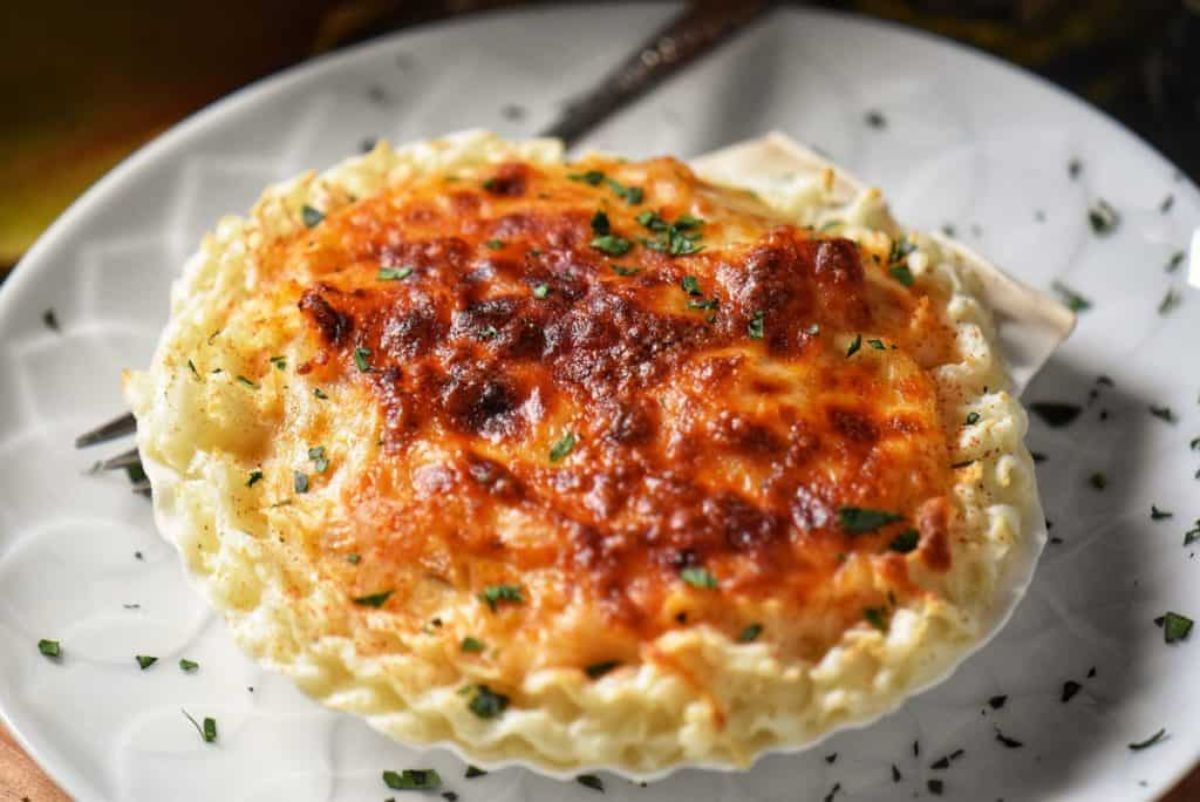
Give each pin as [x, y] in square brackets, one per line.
[699, 28]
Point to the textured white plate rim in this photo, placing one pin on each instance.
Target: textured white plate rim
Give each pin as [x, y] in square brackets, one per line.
[40, 747]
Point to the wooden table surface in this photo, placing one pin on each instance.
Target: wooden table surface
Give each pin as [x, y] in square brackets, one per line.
[22, 781]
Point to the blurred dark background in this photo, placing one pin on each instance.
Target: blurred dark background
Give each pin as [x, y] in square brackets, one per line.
[86, 83]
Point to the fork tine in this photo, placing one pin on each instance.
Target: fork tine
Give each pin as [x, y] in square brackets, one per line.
[126, 459]
[118, 427]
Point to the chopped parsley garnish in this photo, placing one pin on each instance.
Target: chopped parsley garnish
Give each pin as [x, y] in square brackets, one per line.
[829, 225]
[255, 478]
[597, 670]
[1151, 741]
[246, 382]
[1175, 627]
[493, 595]
[600, 224]
[540, 291]
[612, 245]
[876, 617]
[903, 274]
[698, 578]
[354, 558]
[972, 418]
[470, 644]
[750, 633]
[494, 244]
[1158, 515]
[1175, 261]
[626, 271]
[1192, 535]
[1069, 689]
[1103, 217]
[677, 239]
[50, 648]
[997, 702]
[362, 359]
[562, 447]
[1171, 300]
[1054, 413]
[690, 285]
[145, 661]
[855, 345]
[320, 461]
[375, 600]
[394, 273]
[935, 787]
[755, 327]
[311, 216]
[319, 393]
[859, 520]
[192, 367]
[1074, 301]
[592, 177]
[1011, 743]
[1098, 480]
[188, 666]
[486, 703]
[412, 780]
[877, 344]
[590, 781]
[300, 481]
[209, 729]
[703, 303]
[474, 771]
[631, 195]
[1164, 413]
[906, 541]
[280, 362]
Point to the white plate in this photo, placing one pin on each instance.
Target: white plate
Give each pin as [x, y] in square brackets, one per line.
[967, 141]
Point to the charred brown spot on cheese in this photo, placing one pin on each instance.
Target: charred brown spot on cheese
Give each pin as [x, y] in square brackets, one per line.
[693, 444]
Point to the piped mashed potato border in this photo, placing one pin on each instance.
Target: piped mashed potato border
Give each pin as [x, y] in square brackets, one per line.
[642, 721]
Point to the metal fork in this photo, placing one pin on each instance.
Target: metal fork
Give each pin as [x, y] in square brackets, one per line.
[695, 31]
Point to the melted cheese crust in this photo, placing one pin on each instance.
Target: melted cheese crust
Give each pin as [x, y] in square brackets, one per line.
[453, 425]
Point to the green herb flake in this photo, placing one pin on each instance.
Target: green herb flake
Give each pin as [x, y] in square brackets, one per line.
[354, 558]
[903, 274]
[859, 520]
[1175, 261]
[412, 780]
[905, 542]
[1192, 535]
[394, 273]
[1103, 217]
[590, 781]
[562, 447]
[600, 223]
[319, 460]
[494, 244]
[755, 327]
[375, 600]
[699, 578]
[50, 648]
[494, 595]
[1073, 300]
[300, 481]
[855, 345]
[486, 703]
[876, 617]
[188, 666]
[690, 285]
[319, 393]
[877, 344]
[208, 731]
[472, 645]
[1169, 302]
[474, 771]
[750, 633]
[362, 359]
[1098, 480]
[192, 367]
[1175, 627]
[592, 177]
[311, 216]
[972, 418]
[145, 661]
[829, 225]
[612, 245]
[1164, 413]
[651, 220]
[631, 195]
[540, 291]
[597, 670]
[1159, 515]
[255, 478]
[1137, 746]
[626, 271]
[246, 382]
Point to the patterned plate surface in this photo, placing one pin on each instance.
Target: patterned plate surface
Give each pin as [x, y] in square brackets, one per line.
[957, 140]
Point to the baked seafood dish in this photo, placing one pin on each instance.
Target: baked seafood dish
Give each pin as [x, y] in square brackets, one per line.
[592, 463]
